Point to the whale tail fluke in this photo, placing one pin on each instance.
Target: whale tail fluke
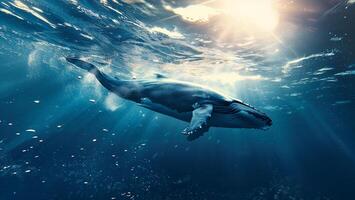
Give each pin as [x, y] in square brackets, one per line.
[107, 81]
[82, 64]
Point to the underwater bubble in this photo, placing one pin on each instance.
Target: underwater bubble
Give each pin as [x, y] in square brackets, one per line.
[341, 102]
[295, 94]
[345, 73]
[336, 39]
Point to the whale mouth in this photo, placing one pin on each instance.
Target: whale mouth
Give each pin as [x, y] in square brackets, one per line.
[261, 116]
[267, 125]
[265, 128]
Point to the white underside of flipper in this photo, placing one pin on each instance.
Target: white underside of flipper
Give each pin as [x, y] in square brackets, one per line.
[199, 121]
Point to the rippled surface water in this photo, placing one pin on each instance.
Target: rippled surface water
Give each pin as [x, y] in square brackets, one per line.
[63, 136]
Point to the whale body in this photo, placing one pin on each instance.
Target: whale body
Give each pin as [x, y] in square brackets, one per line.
[200, 106]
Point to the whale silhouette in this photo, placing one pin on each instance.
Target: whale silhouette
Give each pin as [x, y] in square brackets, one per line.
[202, 107]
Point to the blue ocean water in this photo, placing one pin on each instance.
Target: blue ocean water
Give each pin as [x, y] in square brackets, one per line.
[64, 136]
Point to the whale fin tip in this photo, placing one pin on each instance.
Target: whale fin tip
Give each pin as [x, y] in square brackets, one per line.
[82, 64]
[158, 76]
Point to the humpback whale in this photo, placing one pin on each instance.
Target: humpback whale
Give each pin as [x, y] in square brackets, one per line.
[200, 106]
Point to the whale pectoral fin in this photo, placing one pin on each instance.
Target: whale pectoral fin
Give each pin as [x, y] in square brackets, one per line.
[199, 122]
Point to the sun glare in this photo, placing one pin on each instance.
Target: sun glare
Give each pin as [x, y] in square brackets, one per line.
[194, 13]
[251, 15]
[256, 14]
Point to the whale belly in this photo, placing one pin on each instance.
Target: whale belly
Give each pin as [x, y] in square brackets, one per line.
[229, 121]
[224, 120]
[240, 120]
[184, 116]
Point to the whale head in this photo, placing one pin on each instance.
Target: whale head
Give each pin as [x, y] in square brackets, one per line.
[247, 116]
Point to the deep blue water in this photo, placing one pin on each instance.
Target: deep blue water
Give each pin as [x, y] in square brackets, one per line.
[63, 136]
